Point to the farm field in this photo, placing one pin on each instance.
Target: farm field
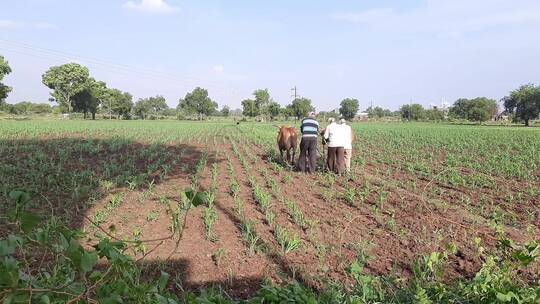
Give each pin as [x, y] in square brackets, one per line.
[415, 189]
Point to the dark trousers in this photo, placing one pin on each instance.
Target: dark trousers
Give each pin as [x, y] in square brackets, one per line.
[336, 159]
[308, 154]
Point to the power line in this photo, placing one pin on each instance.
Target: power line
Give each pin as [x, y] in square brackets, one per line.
[60, 57]
[101, 62]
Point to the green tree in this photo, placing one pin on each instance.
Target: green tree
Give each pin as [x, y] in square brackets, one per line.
[300, 107]
[349, 108]
[141, 108]
[41, 108]
[524, 102]
[4, 70]
[157, 104]
[81, 101]
[434, 114]
[117, 103]
[249, 107]
[412, 112]
[197, 102]
[477, 109]
[100, 93]
[66, 81]
[225, 111]
[262, 101]
[378, 112]
[274, 109]
[89, 99]
[324, 115]
[21, 108]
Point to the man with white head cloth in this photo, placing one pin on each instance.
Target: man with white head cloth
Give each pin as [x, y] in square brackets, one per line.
[333, 135]
[348, 137]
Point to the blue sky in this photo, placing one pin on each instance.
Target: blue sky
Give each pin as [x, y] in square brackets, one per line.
[385, 52]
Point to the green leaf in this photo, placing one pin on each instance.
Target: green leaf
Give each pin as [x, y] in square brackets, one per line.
[45, 299]
[29, 221]
[502, 297]
[20, 196]
[88, 261]
[355, 270]
[8, 299]
[162, 282]
[196, 198]
[95, 275]
[7, 247]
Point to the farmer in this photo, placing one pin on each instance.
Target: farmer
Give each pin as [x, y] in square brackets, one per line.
[308, 146]
[348, 136]
[334, 135]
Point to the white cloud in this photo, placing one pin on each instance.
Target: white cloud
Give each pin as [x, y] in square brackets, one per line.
[9, 24]
[218, 69]
[448, 18]
[45, 26]
[151, 6]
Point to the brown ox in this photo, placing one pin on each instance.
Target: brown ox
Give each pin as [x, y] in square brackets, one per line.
[286, 141]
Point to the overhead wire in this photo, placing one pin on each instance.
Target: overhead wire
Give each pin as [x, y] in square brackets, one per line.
[57, 56]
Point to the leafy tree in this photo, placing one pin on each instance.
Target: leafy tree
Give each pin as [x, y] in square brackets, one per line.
[157, 104]
[274, 109]
[236, 112]
[4, 70]
[116, 102]
[461, 108]
[524, 102]
[197, 102]
[150, 106]
[349, 108]
[26, 107]
[250, 108]
[225, 111]
[412, 112]
[66, 81]
[19, 108]
[434, 114]
[82, 100]
[89, 99]
[141, 108]
[100, 93]
[477, 109]
[324, 115]
[262, 101]
[169, 112]
[378, 112]
[300, 107]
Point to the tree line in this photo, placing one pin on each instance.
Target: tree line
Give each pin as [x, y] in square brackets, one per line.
[521, 105]
[74, 90]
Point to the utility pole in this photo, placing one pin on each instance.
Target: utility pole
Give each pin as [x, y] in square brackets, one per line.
[410, 107]
[295, 95]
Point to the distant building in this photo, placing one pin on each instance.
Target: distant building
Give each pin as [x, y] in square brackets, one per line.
[362, 116]
[501, 117]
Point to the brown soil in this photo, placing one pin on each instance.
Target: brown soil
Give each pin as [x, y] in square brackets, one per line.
[389, 229]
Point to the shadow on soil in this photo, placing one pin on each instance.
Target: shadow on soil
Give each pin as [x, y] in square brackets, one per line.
[66, 175]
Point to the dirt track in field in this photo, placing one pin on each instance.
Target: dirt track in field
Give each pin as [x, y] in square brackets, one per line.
[390, 234]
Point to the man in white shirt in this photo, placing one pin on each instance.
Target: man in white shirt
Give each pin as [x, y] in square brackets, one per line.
[349, 138]
[333, 135]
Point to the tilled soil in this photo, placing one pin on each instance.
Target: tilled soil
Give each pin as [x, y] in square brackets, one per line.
[388, 230]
